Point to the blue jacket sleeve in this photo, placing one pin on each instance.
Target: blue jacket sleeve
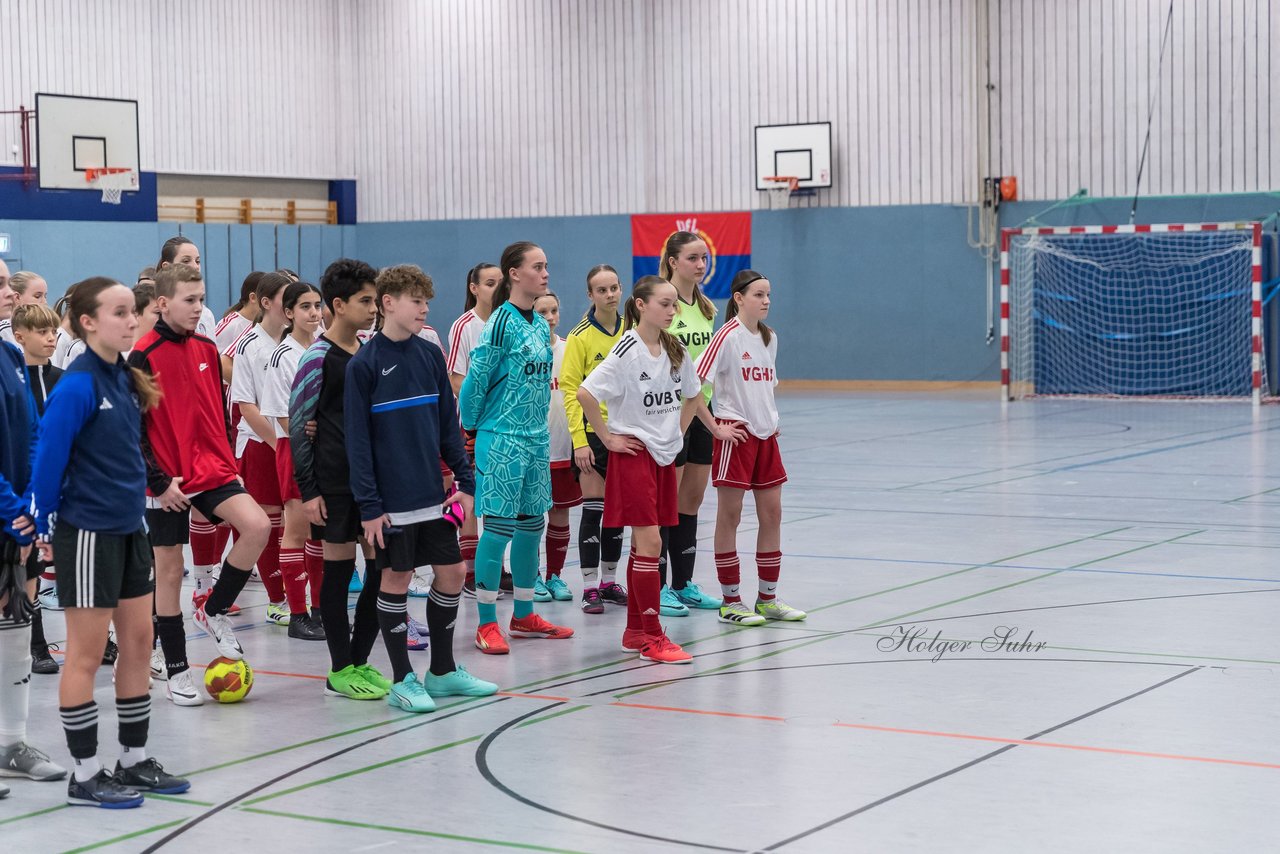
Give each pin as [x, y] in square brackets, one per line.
[452, 449]
[358, 421]
[69, 408]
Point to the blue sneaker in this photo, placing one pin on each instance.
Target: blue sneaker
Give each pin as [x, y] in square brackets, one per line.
[559, 590]
[671, 604]
[540, 591]
[419, 635]
[410, 696]
[459, 683]
[693, 597]
[356, 584]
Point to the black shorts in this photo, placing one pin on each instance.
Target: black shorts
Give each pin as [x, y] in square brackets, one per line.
[342, 520]
[698, 444]
[98, 570]
[601, 453]
[173, 527]
[433, 543]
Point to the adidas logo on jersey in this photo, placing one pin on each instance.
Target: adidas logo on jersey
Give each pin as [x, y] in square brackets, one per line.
[644, 376]
[598, 358]
[746, 357]
[106, 404]
[680, 324]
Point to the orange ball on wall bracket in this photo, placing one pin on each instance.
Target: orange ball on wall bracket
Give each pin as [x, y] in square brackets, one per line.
[1009, 189]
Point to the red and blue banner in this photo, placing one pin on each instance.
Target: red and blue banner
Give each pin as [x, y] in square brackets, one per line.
[727, 235]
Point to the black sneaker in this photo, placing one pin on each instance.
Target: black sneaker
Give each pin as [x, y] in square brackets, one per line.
[102, 790]
[508, 583]
[302, 627]
[41, 661]
[613, 593]
[591, 602]
[111, 652]
[148, 776]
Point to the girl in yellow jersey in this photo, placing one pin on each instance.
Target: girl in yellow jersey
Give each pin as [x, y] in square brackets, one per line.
[683, 264]
[584, 349]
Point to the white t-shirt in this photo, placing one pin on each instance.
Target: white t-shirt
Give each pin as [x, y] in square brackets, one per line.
[207, 325]
[6, 331]
[61, 346]
[741, 369]
[248, 374]
[557, 420]
[463, 336]
[644, 394]
[277, 382]
[229, 329]
[74, 349]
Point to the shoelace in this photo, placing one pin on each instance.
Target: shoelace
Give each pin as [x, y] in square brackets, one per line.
[27, 751]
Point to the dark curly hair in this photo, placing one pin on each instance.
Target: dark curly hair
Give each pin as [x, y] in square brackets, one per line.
[344, 278]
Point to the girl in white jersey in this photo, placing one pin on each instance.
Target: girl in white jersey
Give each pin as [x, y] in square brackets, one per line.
[482, 281]
[256, 440]
[653, 393]
[237, 319]
[740, 362]
[301, 558]
[565, 492]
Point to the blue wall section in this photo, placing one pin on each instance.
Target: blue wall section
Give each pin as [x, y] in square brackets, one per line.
[892, 293]
[19, 201]
[66, 252]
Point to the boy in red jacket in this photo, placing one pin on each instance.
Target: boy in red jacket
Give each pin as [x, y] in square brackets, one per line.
[189, 463]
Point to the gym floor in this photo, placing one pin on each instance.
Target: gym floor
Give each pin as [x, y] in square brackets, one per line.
[1045, 628]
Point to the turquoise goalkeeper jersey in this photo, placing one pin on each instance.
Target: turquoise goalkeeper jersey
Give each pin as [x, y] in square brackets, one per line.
[507, 389]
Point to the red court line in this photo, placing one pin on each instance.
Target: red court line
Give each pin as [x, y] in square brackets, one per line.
[1116, 751]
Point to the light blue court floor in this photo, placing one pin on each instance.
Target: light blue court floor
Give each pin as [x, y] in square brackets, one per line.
[1050, 627]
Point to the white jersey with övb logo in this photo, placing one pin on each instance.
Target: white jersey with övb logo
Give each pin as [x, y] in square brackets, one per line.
[557, 419]
[644, 394]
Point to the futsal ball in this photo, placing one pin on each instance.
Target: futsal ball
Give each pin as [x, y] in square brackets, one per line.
[227, 680]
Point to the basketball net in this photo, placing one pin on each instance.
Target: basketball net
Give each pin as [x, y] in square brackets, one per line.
[112, 182]
[781, 190]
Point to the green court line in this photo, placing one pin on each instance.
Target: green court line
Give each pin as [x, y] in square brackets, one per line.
[174, 799]
[365, 769]
[413, 831]
[124, 836]
[44, 811]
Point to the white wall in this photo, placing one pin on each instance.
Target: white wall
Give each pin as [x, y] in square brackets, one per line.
[223, 86]
[501, 108]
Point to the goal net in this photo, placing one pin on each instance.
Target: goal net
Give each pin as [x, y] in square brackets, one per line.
[1160, 311]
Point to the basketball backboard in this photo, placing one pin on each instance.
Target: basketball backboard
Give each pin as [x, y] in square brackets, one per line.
[75, 133]
[800, 150]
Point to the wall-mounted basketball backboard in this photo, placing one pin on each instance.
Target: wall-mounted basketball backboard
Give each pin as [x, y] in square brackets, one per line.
[75, 134]
[802, 151]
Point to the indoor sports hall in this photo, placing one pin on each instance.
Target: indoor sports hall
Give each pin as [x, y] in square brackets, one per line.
[1019, 261]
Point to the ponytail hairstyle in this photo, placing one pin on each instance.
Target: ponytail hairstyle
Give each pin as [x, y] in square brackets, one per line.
[289, 274]
[591, 274]
[248, 288]
[677, 241]
[473, 278]
[85, 298]
[295, 292]
[169, 250]
[19, 281]
[512, 256]
[145, 275]
[741, 282]
[61, 305]
[643, 291]
[269, 287]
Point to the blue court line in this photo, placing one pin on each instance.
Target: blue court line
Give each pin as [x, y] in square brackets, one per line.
[997, 565]
[1157, 451]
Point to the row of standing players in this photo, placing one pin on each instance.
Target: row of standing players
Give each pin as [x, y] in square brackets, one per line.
[395, 426]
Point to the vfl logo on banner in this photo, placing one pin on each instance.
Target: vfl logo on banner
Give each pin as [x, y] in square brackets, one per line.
[726, 235]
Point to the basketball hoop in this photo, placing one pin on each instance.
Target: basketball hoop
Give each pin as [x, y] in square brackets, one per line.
[780, 192]
[112, 181]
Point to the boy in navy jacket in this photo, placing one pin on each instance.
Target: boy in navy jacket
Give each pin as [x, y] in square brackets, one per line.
[401, 419]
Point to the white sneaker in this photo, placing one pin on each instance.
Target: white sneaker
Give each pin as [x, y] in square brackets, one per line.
[419, 587]
[158, 668]
[182, 689]
[219, 628]
[49, 599]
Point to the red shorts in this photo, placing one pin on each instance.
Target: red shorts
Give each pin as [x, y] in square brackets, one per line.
[284, 472]
[752, 464]
[258, 468]
[638, 492]
[565, 491]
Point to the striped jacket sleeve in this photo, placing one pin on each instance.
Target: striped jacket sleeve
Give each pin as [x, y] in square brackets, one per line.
[304, 397]
[70, 407]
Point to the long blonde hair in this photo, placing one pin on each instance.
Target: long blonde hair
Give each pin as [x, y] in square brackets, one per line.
[643, 291]
[677, 241]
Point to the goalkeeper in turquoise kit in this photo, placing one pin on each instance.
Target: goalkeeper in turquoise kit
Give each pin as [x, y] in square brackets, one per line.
[504, 402]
